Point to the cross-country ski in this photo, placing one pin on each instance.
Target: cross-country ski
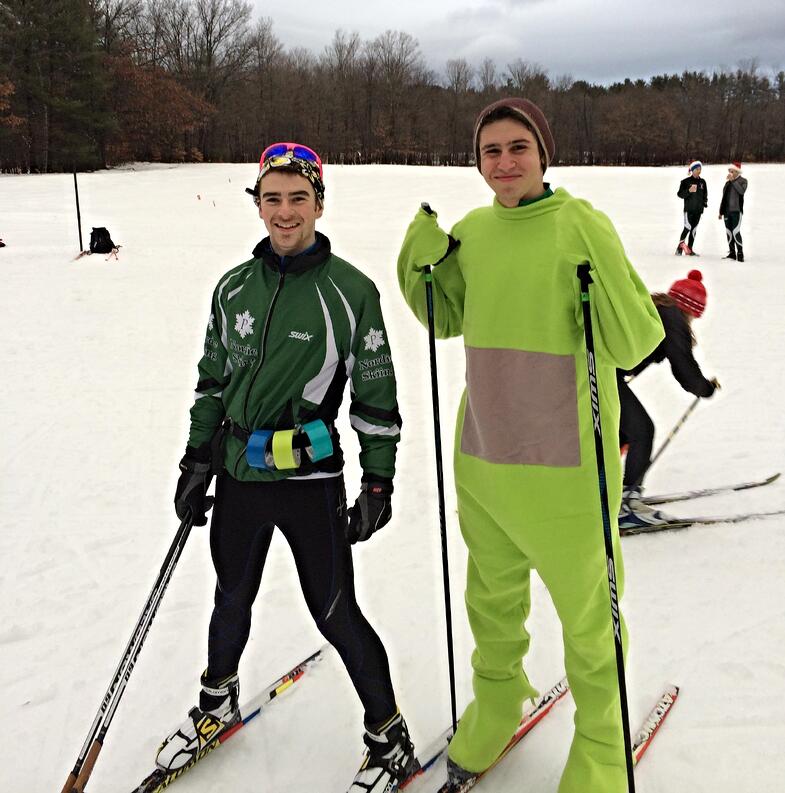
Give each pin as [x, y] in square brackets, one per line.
[158, 780]
[685, 523]
[641, 741]
[686, 495]
[433, 757]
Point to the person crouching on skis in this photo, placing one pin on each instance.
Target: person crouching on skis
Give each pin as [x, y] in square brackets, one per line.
[685, 301]
[287, 328]
[525, 466]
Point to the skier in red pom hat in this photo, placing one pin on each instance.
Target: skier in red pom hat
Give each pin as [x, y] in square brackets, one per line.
[685, 301]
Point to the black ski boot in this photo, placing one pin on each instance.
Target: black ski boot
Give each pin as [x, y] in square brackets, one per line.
[456, 775]
[389, 759]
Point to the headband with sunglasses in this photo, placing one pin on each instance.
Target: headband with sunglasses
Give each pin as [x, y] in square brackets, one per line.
[290, 155]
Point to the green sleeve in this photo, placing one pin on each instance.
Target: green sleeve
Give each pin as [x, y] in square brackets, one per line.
[424, 244]
[373, 412]
[627, 325]
[208, 410]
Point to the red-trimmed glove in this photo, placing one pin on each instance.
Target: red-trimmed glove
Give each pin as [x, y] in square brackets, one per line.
[371, 511]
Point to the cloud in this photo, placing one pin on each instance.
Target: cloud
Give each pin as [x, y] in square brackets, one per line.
[599, 42]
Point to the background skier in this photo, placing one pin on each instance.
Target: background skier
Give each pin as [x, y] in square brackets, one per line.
[525, 467]
[732, 209]
[696, 198]
[685, 301]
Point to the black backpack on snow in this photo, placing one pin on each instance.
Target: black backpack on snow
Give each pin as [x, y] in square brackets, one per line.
[101, 241]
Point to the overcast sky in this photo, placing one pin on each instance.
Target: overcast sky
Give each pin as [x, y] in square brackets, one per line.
[599, 41]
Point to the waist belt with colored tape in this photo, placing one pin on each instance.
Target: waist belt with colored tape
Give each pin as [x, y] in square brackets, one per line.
[282, 450]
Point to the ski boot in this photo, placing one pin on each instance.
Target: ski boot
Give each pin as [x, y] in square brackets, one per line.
[389, 759]
[739, 257]
[218, 711]
[635, 514]
[731, 255]
[456, 775]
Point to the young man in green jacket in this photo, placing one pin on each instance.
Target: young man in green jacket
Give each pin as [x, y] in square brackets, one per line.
[525, 466]
[287, 329]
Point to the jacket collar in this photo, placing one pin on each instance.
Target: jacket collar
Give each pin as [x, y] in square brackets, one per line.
[318, 253]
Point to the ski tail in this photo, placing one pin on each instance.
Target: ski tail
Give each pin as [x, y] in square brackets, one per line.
[686, 495]
[653, 722]
[712, 520]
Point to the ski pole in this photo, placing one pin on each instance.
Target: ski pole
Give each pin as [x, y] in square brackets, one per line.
[78, 213]
[585, 279]
[678, 426]
[77, 779]
[437, 432]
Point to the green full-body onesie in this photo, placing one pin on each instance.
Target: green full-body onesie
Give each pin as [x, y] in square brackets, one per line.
[525, 463]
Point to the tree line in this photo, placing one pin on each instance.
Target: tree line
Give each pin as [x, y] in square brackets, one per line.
[93, 83]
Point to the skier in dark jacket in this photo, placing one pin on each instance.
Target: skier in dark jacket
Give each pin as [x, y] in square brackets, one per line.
[685, 301]
[732, 209]
[696, 198]
[287, 329]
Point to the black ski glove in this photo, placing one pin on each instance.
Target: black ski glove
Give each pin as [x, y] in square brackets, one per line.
[191, 493]
[371, 511]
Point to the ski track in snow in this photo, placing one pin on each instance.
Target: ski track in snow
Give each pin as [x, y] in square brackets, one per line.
[100, 363]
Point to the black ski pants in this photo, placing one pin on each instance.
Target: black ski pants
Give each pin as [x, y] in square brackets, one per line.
[637, 430]
[691, 220]
[311, 515]
[733, 233]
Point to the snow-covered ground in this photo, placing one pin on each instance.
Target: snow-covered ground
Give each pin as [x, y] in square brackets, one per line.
[100, 363]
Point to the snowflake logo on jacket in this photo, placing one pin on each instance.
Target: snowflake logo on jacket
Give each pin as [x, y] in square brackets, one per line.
[244, 324]
[374, 339]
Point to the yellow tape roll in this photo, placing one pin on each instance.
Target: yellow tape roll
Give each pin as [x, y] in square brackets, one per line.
[283, 453]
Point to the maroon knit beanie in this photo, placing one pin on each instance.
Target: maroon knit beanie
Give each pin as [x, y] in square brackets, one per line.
[530, 114]
[690, 293]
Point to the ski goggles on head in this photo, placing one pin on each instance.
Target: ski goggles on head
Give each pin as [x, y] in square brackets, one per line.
[294, 156]
[290, 151]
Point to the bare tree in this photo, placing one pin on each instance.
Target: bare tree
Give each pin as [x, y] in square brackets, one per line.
[342, 62]
[459, 75]
[487, 77]
[529, 80]
[115, 22]
[400, 66]
[459, 79]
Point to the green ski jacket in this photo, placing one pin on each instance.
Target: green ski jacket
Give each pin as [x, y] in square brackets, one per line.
[284, 336]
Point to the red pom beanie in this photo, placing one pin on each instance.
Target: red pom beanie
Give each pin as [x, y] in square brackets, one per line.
[690, 293]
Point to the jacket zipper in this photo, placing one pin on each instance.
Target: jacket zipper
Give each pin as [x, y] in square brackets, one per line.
[262, 351]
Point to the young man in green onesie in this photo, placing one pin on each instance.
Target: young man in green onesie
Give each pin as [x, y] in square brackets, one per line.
[525, 464]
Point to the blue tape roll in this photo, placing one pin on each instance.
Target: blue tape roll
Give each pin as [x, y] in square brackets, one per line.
[254, 451]
[319, 439]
